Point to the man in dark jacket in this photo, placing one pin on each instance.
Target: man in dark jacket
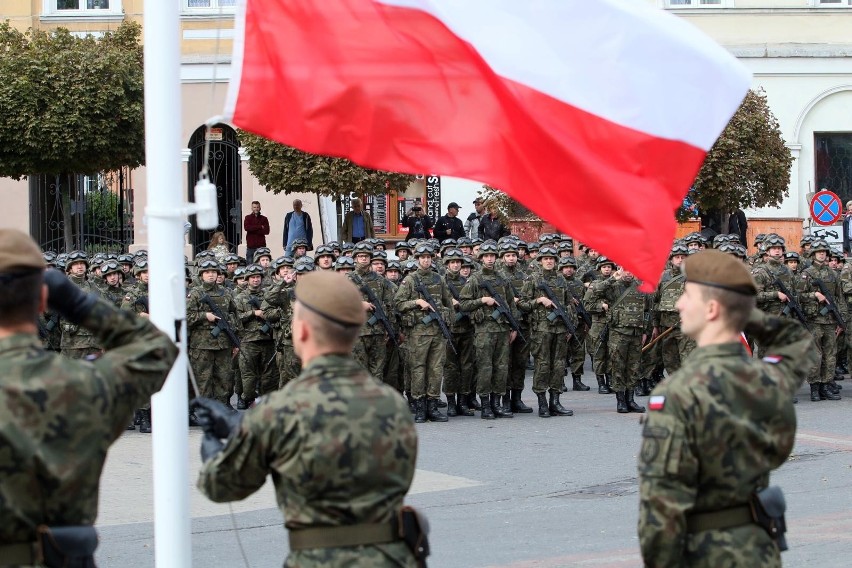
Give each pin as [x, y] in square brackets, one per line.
[257, 227]
[491, 226]
[737, 225]
[418, 223]
[449, 226]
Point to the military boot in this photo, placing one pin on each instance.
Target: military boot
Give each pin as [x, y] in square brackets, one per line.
[603, 388]
[145, 422]
[518, 404]
[578, 383]
[815, 392]
[452, 407]
[643, 388]
[420, 410]
[497, 407]
[412, 406]
[564, 386]
[543, 409]
[555, 407]
[621, 402]
[440, 403]
[241, 404]
[835, 387]
[433, 414]
[487, 413]
[463, 408]
[473, 402]
[631, 404]
[131, 426]
[825, 394]
[137, 417]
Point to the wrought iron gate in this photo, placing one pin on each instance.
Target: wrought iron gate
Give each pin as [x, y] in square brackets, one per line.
[224, 163]
[86, 212]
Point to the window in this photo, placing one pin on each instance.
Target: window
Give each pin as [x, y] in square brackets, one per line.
[698, 3]
[831, 3]
[82, 7]
[209, 4]
[833, 163]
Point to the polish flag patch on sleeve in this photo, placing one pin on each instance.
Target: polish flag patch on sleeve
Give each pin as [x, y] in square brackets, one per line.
[774, 359]
[657, 402]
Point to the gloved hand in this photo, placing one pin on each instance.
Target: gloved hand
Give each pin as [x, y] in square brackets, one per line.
[65, 297]
[215, 418]
[210, 446]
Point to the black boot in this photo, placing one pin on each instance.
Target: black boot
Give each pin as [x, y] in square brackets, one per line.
[420, 410]
[825, 394]
[473, 402]
[241, 404]
[433, 414]
[131, 426]
[412, 404]
[507, 402]
[518, 404]
[452, 408]
[145, 422]
[137, 418]
[498, 408]
[621, 402]
[832, 387]
[815, 392]
[440, 403]
[578, 383]
[837, 388]
[564, 386]
[555, 407]
[643, 388]
[487, 413]
[543, 410]
[463, 408]
[603, 388]
[631, 404]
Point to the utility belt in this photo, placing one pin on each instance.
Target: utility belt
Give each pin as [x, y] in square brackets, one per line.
[765, 509]
[56, 547]
[409, 526]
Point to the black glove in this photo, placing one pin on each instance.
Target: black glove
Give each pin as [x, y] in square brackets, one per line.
[215, 418]
[210, 446]
[65, 297]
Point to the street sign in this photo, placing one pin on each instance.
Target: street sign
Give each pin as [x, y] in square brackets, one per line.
[826, 208]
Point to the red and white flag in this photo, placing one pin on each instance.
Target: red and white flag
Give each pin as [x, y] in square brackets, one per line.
[595, 114]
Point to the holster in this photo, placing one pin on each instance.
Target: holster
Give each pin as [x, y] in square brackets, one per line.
[215, 331]
[67, 547]
[373, 320]
[767, 508]
[413, 529]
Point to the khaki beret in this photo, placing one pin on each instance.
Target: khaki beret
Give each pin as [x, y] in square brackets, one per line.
[720, 270]
[19, 252]
[333, 296]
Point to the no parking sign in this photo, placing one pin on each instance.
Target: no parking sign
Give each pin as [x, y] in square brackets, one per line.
[826, 208]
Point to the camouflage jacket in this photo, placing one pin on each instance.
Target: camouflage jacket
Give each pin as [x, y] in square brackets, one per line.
[406, 302]
[628, 309]
[516, 278]
[50, 330]
[113, 294]
[538, 314]
[254, 328]
[383, 292]
[767, 276]
[75, 336]
[486, 318]
[61, 415]
[136, 299]
[460, 321]
[277, 308]
[720, 393]
[807, 290]
[669, 290]
[341, 448]
[201, 334]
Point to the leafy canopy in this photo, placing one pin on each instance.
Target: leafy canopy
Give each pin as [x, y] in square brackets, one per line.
[281, 168]
[70, 104]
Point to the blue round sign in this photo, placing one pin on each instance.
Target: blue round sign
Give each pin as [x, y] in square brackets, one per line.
[826, 208]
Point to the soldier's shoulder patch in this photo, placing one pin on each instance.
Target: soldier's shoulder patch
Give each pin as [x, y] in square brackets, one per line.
[657, 402]
[774, 359]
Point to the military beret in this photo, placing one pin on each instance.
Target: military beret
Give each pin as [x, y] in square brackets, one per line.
[720, 270]
[19, 252]
[332, 296]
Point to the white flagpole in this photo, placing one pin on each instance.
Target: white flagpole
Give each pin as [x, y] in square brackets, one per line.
[166, 215]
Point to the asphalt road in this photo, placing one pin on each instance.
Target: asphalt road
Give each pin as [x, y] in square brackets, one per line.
[521, 492]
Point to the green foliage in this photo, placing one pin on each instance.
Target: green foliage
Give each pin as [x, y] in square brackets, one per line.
[748, 166]
[281, 168]
[70, 104]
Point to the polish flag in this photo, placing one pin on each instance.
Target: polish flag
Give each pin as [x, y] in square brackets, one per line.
[595, 114]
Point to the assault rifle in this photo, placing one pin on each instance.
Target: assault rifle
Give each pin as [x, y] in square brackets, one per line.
[602, 339]
[558, 310]
[581, 311]
[435, 315]
[792, 304]
[830, 305]
[503, 308]
[379, 314]
[255, 303]
[457, 297]
[222, 324]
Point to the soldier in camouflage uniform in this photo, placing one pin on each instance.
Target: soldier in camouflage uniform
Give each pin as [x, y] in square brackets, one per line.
[549, 333]
[675, 346]
[427, 347]
[628, 314]
[577, 344]
[823, 327]
[695, 493]
[335, 418]
[211, 352]
[324, 257]
[49, 325]
[769, 277]
[257, 349]
[459, 372]
[277, 309]
[596, 344]
[493, 334]
[77, 341]
[514, 275]
[112, 291]
[371, 347]
[61, 416]
[136, 300]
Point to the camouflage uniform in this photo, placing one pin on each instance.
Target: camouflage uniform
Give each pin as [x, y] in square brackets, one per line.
[765, 277]
[577, 344]
[676, 346]
[61, 416]
[50, 330]
[335, 419]
[427, 345]
[520, 350]
[459, 371]
[719, 394]
[596, 343]
[371, 347]
[277, 308]
[77, 341]
[257, 349]
[211, 357]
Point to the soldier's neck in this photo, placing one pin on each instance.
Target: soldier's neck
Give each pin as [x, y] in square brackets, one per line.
[17, 329]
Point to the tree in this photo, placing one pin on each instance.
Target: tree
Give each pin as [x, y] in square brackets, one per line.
[508, 207]
[748, 166]
[70, 104]
[281, 168]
